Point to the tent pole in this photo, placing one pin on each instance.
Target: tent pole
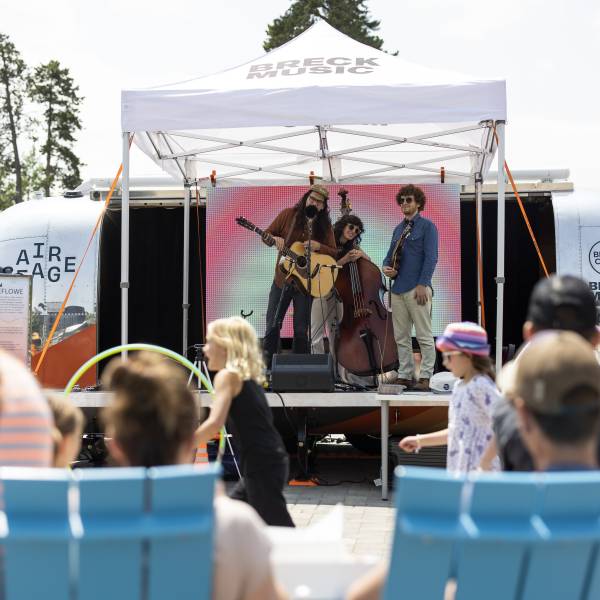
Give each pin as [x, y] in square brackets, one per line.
[186, 266]
[125, 243]
[500, 246]
[479, 241]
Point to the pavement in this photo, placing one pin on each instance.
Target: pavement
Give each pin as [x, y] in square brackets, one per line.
[348, 478]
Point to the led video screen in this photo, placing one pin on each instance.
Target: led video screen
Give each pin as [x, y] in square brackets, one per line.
[240, 267]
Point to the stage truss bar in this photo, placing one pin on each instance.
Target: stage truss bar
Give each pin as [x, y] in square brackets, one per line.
[158, 154]
[182, 171]
[423, 136]
[414, 164]
[386, 169]
[259, 146]
[276, 168]
[268, 138]
[470, 149]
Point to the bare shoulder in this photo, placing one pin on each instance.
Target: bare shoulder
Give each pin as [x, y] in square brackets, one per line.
[230, 380]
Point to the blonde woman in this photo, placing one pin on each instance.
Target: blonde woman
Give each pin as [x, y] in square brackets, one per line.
[232, 350]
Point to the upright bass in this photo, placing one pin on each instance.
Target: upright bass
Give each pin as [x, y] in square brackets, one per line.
[365, 344]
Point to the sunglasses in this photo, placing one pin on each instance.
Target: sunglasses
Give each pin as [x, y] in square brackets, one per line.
[351, 227]
[406, 199]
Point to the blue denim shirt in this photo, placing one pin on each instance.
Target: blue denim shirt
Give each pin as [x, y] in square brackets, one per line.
[419, 255]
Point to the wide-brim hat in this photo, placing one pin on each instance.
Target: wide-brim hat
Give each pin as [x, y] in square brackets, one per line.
[465, 337]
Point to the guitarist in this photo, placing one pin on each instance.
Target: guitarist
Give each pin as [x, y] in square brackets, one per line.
[289, 226]
[415, 243]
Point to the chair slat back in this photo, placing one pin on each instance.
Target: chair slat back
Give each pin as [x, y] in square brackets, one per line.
[112, 507]
[496, 514]
[181, 522]
[123, 534]
[500, 537]
[427, 522]
[37, 533]
[569, 516]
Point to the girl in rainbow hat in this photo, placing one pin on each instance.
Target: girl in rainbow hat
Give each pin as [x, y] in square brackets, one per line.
[466, 353]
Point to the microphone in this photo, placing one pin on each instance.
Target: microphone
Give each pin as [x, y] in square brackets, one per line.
[311, 212]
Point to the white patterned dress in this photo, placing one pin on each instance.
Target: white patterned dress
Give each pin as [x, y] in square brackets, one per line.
[470, 423]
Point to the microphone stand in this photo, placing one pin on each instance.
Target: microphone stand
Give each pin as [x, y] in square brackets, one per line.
[308, 254]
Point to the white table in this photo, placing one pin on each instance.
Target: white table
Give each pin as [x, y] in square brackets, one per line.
[407, 399]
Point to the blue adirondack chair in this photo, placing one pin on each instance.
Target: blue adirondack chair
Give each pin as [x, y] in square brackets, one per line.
[107, 533]
[497, 536]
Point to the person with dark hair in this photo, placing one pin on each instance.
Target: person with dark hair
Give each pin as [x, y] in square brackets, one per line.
[556, 303]
[292, 225]
[557, 398]
[410, 262]
[327, 311]
[151, 422]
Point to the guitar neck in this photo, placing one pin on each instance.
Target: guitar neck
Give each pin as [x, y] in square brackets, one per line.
[264, 234]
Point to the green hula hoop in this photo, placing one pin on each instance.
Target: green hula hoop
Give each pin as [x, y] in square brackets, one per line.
[150, 348]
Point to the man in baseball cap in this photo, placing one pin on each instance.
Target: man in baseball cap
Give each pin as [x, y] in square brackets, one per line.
[557, 398]
[563, 303]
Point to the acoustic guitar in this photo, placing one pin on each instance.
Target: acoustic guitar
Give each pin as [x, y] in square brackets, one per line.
[293, 264]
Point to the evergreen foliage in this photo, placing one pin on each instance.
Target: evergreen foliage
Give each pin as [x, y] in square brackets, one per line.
[348, 16]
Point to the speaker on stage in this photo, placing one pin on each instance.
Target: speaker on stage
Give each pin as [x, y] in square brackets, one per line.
[302, 373]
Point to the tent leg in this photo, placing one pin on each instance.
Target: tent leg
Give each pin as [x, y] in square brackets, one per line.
[479, 242]
[500, 247]
[186, 267]
[125, 243]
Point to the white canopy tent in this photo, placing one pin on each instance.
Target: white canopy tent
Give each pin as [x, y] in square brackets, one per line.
[322, 103]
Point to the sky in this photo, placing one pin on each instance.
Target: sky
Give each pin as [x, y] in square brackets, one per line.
[547, 50]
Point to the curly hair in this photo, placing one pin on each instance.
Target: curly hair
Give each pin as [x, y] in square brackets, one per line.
[340, 225]
[412, 190]
[153, 413]
[240, 341]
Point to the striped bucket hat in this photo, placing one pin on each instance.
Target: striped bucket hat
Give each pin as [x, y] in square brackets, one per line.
[465, 337]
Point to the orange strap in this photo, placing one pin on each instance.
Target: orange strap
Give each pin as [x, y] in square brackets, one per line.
[520, 202]
[64, 304]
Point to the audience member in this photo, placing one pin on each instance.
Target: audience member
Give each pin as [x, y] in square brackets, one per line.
[465, 349]
[150, 422]
[556, 393]
[68, 428]
[556, 303]
[25, 419]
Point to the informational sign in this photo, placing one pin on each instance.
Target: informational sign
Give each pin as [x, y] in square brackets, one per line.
[15, 315]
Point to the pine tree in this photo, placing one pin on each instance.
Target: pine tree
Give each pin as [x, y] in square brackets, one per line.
[12, 95]
[349, 16]
[53, 88]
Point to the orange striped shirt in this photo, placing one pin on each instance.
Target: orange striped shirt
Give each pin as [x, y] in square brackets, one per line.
[25, 418]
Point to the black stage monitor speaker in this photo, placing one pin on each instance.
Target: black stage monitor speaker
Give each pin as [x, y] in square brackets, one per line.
[302, 373]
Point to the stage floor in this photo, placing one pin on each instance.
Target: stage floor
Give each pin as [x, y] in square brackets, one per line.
[301, 399]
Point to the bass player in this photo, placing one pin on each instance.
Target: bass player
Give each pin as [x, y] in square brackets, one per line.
[292, 225]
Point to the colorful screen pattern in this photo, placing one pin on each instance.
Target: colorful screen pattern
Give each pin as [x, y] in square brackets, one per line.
[240, 267]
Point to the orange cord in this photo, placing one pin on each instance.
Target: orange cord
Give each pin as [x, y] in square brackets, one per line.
[64, 304]
[520, 203]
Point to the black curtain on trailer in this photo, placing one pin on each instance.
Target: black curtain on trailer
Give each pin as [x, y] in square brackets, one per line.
[522, 267]
[155, 275]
